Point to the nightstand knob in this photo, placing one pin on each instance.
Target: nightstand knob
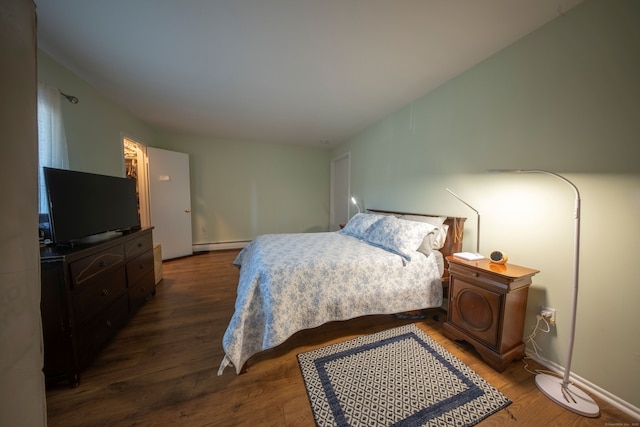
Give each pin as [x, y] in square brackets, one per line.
[105, 292]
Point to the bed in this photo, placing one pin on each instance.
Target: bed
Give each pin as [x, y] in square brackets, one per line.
[380, 262]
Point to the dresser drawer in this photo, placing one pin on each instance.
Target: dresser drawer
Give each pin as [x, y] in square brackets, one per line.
[103, 326]
[139, 294]
[89, 267]
[138, 245]
[139, 268]
[100, 292]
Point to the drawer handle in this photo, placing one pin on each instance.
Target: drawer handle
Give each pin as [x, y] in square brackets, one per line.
[139, 244]
[108, 323]
[476, 274]
[102, 264]
[141, 266]
[105, 292]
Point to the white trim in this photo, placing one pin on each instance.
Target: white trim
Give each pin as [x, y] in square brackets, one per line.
[204, 247]
[608, 397]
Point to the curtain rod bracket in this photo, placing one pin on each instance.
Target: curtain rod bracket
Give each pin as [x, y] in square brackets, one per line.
[72, 99]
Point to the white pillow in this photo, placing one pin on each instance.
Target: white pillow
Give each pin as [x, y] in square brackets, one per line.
[397, 235]
[433, 220]
[435, 240]
[359, 223]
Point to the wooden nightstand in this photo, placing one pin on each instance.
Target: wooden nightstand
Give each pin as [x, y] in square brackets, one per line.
[487, 306]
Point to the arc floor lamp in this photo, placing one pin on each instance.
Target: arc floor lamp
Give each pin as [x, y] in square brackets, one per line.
[560, 390]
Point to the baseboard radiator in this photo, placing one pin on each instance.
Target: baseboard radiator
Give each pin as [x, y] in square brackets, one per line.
[206, 247]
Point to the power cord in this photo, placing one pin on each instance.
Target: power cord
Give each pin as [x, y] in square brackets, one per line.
[530, 342]
[534, 333]
[536, 347]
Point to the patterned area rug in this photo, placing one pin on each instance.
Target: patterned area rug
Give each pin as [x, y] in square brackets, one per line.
[395, 377]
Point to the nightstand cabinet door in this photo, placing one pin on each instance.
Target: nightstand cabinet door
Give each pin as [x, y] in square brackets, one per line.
[476, 311]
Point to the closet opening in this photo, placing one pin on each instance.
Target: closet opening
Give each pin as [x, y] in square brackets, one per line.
[136, 167]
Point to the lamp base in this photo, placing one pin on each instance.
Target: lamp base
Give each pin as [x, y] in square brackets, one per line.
[571, 398]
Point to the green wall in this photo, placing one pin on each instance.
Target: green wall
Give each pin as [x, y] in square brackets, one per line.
[238, 189]
[566, 99]
[95, 126]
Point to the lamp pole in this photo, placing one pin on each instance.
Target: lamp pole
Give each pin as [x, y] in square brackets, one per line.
[563, 392]
[477, 216]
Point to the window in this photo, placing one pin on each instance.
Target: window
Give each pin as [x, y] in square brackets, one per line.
[52, 143]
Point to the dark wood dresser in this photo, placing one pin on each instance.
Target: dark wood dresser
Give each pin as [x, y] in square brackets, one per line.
[88, 293]
[487, 307]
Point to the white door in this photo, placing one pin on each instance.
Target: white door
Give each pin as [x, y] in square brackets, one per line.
[340, 172]
[170, 201]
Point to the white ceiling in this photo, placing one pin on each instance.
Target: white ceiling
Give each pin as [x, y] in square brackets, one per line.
[280, 71]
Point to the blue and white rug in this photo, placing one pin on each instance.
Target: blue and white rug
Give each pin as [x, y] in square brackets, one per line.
[396, 377]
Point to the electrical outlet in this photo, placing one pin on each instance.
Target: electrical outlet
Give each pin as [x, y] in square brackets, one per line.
[549, 314]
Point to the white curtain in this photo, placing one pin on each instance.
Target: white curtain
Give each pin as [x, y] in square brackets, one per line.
[52, 143]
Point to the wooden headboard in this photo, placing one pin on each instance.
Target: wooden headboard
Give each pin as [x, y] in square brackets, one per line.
[454, 233]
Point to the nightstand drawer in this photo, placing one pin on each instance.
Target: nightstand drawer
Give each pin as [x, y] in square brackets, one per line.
[483, 279]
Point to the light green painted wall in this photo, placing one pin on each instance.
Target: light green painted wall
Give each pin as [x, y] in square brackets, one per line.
[240, 189]
[95, 126]
[566, 99]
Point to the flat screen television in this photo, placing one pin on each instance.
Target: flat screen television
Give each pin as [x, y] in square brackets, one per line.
[85, 204]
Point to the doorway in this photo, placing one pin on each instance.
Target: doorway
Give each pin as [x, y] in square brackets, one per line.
[136, 167]
[340, 191]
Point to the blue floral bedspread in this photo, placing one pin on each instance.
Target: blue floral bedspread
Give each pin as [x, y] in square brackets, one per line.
[291, 282]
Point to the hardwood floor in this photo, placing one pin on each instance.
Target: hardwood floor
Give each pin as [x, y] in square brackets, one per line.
[161, 369]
